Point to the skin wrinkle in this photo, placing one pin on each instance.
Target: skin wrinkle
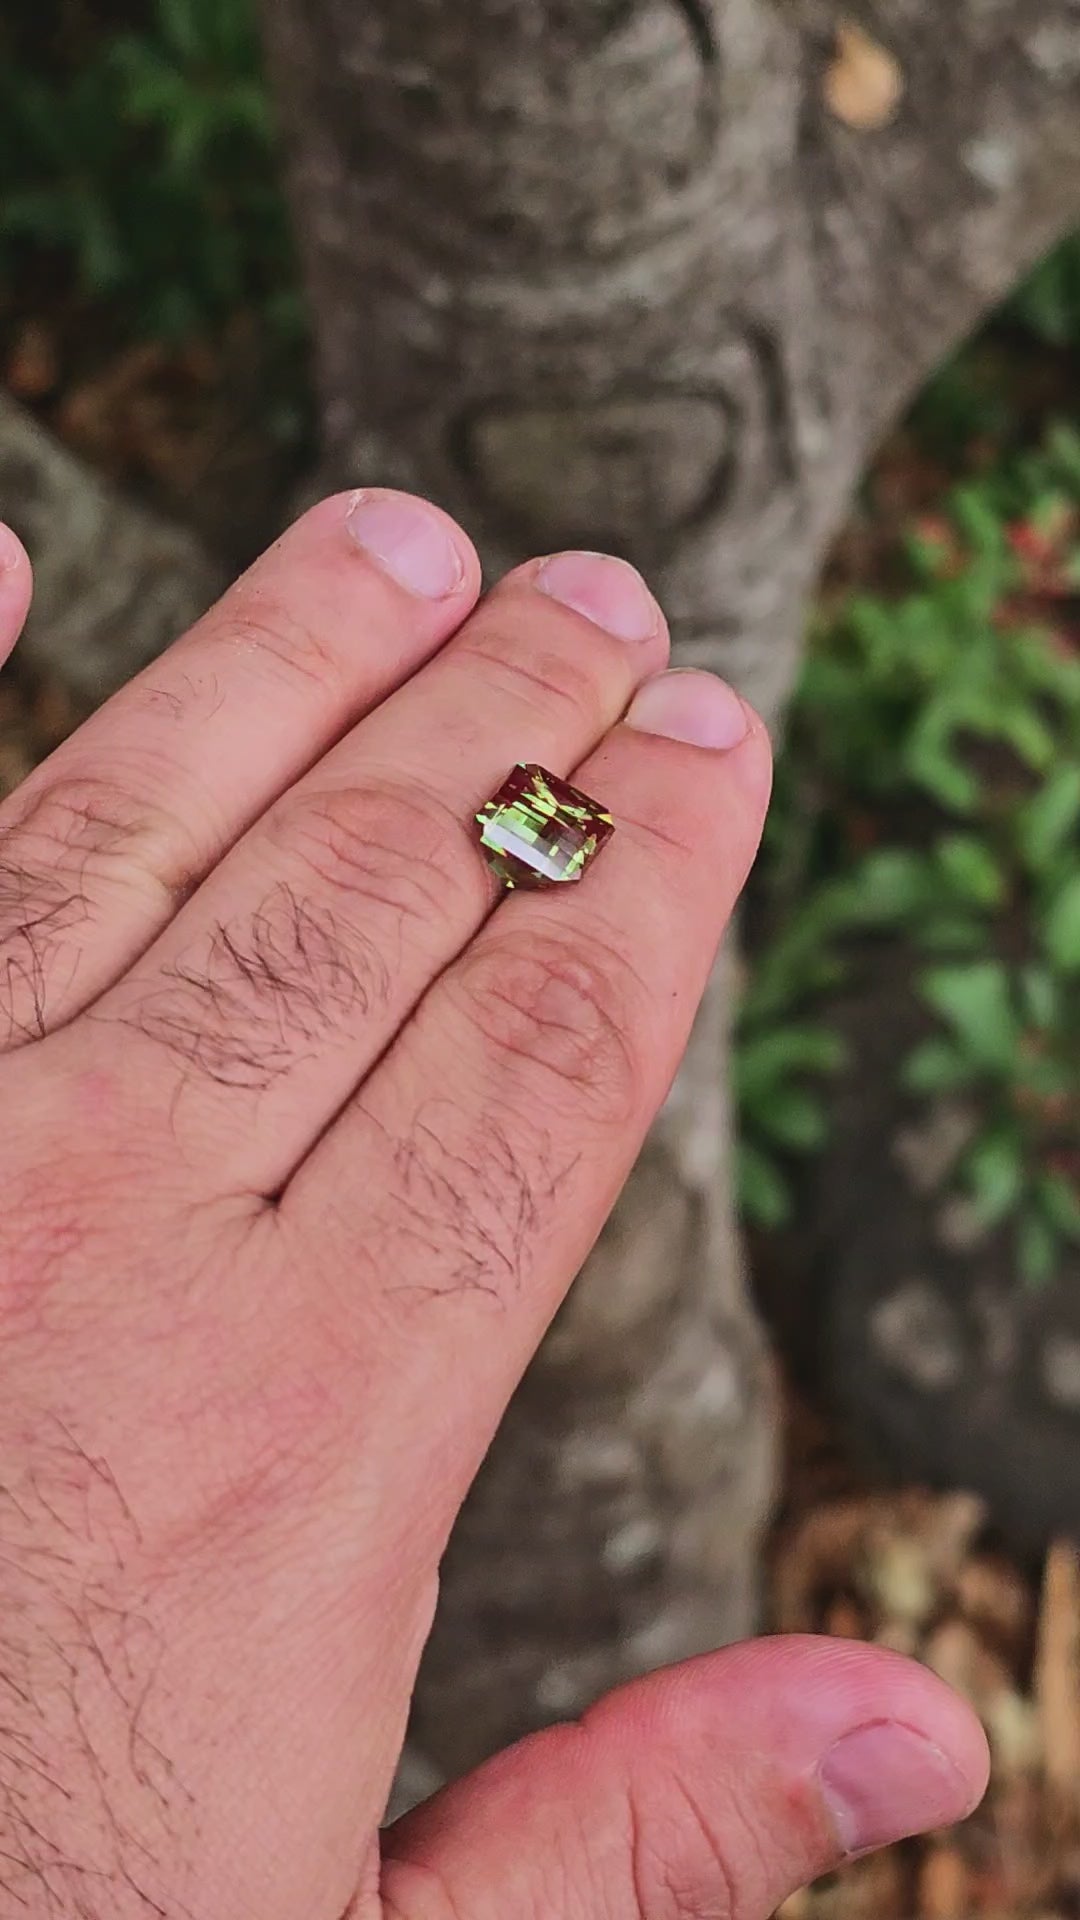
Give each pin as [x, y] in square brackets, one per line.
[565, 1018]
[254, 620]
[352, 837]
[258, 997]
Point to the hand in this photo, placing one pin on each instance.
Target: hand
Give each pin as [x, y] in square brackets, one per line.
[302, 1144]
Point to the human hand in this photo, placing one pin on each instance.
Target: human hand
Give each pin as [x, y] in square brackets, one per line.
[301, 1146]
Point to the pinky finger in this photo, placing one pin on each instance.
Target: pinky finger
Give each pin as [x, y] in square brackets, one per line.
[16, 586]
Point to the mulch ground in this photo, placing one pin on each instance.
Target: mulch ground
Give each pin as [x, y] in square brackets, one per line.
[922, 1573]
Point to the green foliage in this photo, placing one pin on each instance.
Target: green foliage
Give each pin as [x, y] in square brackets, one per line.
[986, 391]
[1013, 1036]
[777, 1070]
[1048, 303]
[146, 170]
[901, 690]
[945, 724]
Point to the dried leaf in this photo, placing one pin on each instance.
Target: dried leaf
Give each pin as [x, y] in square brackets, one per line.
[943, 1885]
[865, 83]
[910, 1560]
[797, 1907]
[1057, 1677]
[844, 1620]
[956, 1654]
[816, 1558]
[996, 1599]
[33, 367]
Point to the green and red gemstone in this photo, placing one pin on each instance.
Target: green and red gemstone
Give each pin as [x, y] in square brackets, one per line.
[538, 831]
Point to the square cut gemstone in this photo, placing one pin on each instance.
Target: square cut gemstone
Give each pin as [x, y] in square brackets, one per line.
[538, 831]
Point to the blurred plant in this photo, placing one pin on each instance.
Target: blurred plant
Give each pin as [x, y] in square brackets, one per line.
[147, 169]
[1011, 1037]
[932, 789]
[1003, 380]
[780, 1058]
[1048, 303]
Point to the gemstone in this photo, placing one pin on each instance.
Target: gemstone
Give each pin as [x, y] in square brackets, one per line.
[538, 831]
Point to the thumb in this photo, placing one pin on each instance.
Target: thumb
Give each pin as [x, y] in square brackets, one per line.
[708, 1792]
[15, 588]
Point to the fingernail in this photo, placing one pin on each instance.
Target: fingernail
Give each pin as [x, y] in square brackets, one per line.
[410, 540]
[10, 549]
[686, 704]
[607, 591]
[885, 1782]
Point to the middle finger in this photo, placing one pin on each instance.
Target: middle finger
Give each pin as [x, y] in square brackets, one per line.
[287, 975]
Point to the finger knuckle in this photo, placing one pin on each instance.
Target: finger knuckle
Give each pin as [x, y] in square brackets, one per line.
[379, 846]
[75, 820]
[681, 1863]
[564, 1014]
[543, 676]
[270, 628]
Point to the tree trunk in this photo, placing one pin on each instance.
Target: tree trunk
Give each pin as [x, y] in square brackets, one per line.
[113, 583]
[650, 275]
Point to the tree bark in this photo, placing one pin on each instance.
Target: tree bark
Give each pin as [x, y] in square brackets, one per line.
[650, 275]
[113, 583]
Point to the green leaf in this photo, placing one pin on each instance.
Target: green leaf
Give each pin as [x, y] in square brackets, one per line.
[1059, 1198]
[890, 886]
[1050, 819]
[951, 933]
[764, 1061]
[931, 765]
[764, 1195]
[978, 518]
[179, 26]
[1039, 995]
[994, 1173]
[1045, 1078]
[1061, 926]
[1038, 1249]
[971, 869]
[1028, 735]
[795, 1119]
[1063, 441]
[976, 1002]
[935, 1067]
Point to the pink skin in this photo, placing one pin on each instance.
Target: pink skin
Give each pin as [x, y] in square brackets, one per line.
[313, 1135]
[16, 584]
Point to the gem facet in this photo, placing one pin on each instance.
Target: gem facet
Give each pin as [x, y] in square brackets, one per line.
[538, 831]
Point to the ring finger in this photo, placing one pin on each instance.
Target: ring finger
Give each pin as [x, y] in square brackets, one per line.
[496, 1132]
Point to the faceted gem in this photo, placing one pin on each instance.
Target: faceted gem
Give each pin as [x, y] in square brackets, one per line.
[538, 831]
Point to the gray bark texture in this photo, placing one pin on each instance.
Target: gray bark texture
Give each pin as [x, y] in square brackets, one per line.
[650, 275]
[113, 583]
